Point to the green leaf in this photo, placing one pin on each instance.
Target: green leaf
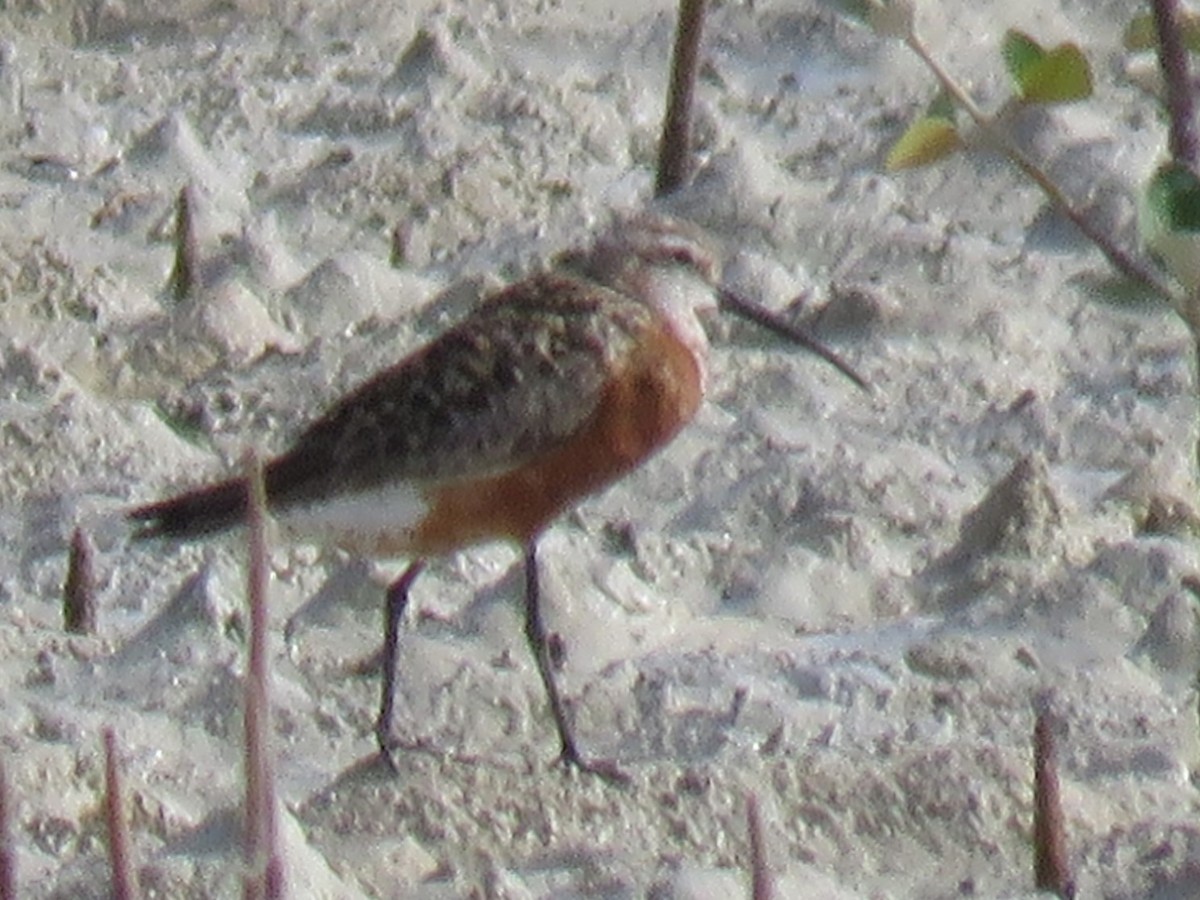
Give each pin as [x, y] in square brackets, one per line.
[1141, 34]
[887, 18]
[1169, 221]
[942, 107]
[1061, 75]
[1173, 196]
[858, 10]
[1021, 53]
[1110, 289]
[926, 141]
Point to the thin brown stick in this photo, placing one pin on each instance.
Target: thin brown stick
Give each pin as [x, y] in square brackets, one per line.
[8, 850]
[762, 885]
[1121, 260]
[120, 844]
[186, 270]
[264, 863]
[1052, 871]
[675, 146]
[1182, 140]
[1180, 102]
[79, 591]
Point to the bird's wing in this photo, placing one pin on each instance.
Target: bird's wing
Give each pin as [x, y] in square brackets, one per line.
[513, 380]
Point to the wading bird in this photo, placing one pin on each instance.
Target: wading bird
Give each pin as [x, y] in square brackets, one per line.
[552, 389]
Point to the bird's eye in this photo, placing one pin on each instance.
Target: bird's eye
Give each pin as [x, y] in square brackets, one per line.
[690, 257]
[685, 255]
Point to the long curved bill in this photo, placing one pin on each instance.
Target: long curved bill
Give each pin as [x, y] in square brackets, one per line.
[760, 315]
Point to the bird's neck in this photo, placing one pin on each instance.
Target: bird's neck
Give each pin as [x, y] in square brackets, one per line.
[680, 298]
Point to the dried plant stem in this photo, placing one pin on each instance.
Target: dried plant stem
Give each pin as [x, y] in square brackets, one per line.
[1122, 261]
[762, 885]
[674, 163]
[1180, 103]
[120, 844]
[8, 851]
[1183, 142]
[186, 270]
[1052, 871]
[675, 147]
[79, 592]
[264, 864]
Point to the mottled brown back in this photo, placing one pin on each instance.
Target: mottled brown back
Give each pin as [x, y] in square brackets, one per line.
[513, 380]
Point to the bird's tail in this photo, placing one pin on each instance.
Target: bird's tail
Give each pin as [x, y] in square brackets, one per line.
[194, 513]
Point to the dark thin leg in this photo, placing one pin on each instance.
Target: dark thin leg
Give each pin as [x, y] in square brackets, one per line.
[393, 612]
[539, 644]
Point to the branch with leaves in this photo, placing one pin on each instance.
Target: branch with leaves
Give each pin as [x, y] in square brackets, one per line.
[1059, 74]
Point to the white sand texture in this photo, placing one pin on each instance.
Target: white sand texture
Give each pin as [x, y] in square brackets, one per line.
[850, 604]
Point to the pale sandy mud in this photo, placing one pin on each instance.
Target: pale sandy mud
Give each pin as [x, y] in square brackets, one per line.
[849, 604]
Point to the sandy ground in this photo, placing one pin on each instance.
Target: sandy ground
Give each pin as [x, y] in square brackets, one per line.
[848, 604]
